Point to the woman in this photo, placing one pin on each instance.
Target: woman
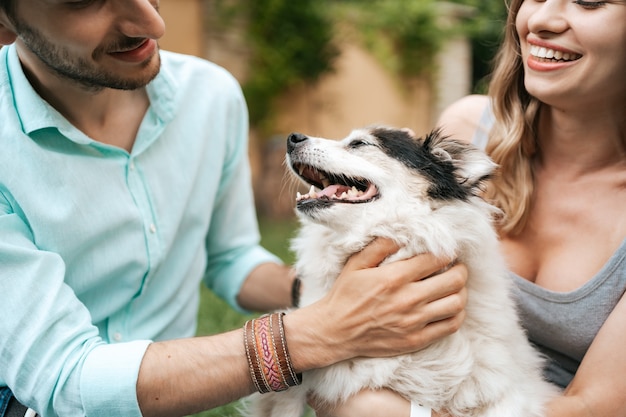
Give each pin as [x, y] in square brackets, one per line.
[555, 122]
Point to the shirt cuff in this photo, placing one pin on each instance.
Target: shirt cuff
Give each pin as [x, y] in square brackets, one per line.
[109, 379]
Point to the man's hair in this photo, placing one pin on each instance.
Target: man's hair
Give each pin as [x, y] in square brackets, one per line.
[8, 6]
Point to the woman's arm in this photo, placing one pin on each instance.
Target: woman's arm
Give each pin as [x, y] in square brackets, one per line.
[599, 386]
[597, 390]
[367, 403]
[461, 119]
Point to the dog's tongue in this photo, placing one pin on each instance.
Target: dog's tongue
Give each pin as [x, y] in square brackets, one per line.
[333, 190]
[340, 192]
[343, 192]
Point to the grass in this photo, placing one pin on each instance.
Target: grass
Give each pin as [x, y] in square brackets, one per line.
[215, 316]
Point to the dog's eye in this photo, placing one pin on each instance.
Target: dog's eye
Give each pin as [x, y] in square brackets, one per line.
[358, 143]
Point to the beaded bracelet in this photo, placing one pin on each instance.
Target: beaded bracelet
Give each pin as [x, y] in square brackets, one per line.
[267, 354]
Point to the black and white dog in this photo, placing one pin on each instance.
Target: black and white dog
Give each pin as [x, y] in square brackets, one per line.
[423, 194]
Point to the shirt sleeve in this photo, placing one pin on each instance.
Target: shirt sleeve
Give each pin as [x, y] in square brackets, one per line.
[233, 238]
[109, 379]
[51, 355]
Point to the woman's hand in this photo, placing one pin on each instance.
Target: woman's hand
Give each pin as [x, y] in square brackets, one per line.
[367, 403]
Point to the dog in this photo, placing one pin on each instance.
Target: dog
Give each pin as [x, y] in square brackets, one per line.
[425, 195]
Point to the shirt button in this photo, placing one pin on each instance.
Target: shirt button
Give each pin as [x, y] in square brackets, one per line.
[131, 166]
[117, 336]
[152, 228]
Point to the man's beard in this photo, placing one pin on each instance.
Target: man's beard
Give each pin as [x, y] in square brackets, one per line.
[83, 73]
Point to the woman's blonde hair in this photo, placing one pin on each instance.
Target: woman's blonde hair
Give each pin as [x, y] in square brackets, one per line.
[512, 141]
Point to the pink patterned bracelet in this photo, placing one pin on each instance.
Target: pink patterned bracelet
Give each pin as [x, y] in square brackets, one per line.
[267, 354]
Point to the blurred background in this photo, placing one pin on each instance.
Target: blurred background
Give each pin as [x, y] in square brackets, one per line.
[324, 67]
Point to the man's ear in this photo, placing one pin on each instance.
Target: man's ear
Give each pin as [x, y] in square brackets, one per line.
[7, 30]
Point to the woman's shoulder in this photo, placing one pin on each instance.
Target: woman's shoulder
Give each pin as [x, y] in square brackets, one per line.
[462, 118]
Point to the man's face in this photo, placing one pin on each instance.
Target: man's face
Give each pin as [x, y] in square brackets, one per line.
[95, 44]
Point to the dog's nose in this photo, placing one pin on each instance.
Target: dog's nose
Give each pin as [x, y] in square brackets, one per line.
[294, 139]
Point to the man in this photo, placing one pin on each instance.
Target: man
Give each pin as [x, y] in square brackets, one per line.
[123, 184]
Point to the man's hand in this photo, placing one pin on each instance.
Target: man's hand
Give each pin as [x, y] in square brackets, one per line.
[378, 310]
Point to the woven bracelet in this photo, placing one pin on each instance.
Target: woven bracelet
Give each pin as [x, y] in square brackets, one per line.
[284, 359]
[267, 354]
[253, 358]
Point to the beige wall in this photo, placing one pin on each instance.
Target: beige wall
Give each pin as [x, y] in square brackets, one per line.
[183, 26]
[360, 92]
[454, 62]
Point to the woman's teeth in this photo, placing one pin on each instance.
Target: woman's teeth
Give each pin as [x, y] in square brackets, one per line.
[546, 53]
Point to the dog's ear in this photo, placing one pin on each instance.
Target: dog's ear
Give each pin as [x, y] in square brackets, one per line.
[471, 165]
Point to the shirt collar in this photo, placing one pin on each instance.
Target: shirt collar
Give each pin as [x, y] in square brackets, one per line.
[162, 92]
[35, 113]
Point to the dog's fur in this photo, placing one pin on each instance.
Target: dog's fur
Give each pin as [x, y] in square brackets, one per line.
[423, 194]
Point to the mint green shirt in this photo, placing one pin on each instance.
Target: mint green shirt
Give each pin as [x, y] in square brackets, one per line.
[102, 251]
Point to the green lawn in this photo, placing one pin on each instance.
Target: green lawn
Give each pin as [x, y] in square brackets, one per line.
[216, 316]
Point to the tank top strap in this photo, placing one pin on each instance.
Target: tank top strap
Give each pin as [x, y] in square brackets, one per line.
[486, 122]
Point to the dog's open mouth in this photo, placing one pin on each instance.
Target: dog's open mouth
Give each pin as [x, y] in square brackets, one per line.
[334, 188]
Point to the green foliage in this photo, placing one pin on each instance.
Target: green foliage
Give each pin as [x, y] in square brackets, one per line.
[291, 43]
[403, 34]
[485, 32]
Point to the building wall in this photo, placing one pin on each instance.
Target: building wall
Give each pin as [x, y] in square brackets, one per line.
[360, 92]
[454, 62]
[184, 26]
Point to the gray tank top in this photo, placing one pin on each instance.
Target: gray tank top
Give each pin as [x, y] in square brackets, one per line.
[563, 325]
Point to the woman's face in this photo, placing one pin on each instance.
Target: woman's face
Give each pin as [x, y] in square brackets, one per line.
[574, 51]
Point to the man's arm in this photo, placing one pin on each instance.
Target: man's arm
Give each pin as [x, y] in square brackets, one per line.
[182, 377]
[185, 376]
[267, 288]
